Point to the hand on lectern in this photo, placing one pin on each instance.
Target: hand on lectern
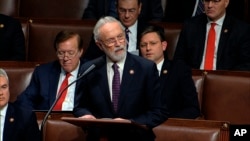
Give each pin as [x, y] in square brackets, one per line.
[88, 117]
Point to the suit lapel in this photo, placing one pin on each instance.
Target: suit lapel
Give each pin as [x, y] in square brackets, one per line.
[226, 28]
[103, 85]
[53, 80]
[127, 78]
[9, 125]
[202, 39]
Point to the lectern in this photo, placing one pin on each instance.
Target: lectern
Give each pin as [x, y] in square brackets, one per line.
[104, 125]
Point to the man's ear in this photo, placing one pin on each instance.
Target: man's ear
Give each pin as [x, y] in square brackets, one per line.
[99, 44]
[164, 45]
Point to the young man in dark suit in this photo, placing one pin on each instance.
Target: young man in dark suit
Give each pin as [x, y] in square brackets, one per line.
[230, 44]
[136, 98]
[12, 41]
[16, 122]
[176, 80]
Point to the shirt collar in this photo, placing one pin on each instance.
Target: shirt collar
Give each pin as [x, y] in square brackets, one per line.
[219, 21]
[159, 66]
[74, 72]
[4, 110]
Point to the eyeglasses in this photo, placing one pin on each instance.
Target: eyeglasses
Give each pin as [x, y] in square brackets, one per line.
[124, 11]
[213, 1]
[70, 54]
[112, 41]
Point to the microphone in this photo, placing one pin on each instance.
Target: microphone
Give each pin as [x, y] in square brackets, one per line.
[91, 65]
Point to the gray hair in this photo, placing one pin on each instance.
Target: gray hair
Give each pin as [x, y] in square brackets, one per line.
[3, 73]
[101, 22]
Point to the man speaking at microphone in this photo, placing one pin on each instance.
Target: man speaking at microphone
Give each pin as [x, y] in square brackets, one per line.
[125, 87]
[51, 80]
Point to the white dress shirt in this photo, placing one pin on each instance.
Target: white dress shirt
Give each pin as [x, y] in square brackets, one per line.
[2, 120]
[132, 46]
[68, 103]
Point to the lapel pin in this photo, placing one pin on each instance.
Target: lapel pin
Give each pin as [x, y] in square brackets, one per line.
[11, 119]
[1, 25]
[165, 71]
[225, 30]
[131, 72]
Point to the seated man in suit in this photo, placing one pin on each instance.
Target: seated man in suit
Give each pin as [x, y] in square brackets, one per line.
[176, 80]
[123, 87]
[128, 13]
[16, 122]
[49, 79]
[12, 41]
[215, 40]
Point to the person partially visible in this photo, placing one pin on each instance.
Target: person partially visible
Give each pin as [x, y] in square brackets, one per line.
[124, 87]
[128, 13]
[215, 40]
[176, 80]
[12, 41]
[179, 10]
[16, 122]
[49, 79]
[151, 10]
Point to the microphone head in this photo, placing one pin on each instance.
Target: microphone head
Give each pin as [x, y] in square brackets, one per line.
[98, 61]
[90, 65]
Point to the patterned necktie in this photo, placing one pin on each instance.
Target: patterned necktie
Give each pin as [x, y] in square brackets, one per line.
[64, 84]
[127, 36]
[199, 8]
[115, 86]
[209, 58]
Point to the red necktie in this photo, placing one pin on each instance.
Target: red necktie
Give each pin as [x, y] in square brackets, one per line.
[115, 86]
[64, 84]
[209, 58]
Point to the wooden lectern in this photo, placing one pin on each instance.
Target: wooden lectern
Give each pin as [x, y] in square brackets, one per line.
[105, 125]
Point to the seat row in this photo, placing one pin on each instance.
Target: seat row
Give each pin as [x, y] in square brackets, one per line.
[40, 35]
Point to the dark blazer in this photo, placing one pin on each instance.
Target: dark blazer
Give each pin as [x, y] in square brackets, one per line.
[139, 84]
[41, 92]
[151, 10]
[93, 51]
[12, 42]
[20, 125]
[234, 45]
[140, 97]
[179, 10]
[179, 90]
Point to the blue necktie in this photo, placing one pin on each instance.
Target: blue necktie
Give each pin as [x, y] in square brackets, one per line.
[115, 86]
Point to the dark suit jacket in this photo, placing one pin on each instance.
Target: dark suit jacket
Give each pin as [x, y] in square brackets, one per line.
[12, 42]
[151, 10]
[140, 97]
[179, 90]
[139, 86]
[179, 10]
[234, 45]
[42, 90]
[20, 125]
[93, 51]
